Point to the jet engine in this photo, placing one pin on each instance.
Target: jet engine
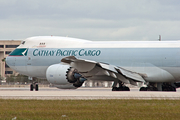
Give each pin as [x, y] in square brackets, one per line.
[64, 76]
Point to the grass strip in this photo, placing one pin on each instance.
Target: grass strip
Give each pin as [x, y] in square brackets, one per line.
[90, 109]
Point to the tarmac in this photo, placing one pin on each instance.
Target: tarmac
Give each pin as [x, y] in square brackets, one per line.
[84, 94]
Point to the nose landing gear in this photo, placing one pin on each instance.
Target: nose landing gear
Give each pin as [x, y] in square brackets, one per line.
[34, 85]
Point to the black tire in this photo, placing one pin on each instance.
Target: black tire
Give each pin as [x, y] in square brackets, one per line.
[149, 89]
[143, 89]
[36, 87]
[120, 89]
[169, 88]
[126, 88]
[114, 89]
[31, 87]
[173, 89]
[164, 88]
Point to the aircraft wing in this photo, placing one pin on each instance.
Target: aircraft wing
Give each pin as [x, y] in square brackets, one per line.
[93, 70]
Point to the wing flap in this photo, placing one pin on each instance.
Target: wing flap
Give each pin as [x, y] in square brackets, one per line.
[132, 75]
[108, 67]
[93, 69]
[127, 73]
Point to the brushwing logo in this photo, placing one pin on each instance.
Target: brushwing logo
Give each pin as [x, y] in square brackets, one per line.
[19, 52]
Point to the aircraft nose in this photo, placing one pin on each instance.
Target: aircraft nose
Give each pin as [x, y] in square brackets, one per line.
[10, 61]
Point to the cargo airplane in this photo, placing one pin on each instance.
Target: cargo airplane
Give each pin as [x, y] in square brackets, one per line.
[68, 62]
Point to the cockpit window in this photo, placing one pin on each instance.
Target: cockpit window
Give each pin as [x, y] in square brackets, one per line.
[23, 42]
[19, 52]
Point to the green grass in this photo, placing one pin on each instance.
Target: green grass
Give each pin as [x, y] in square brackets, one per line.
[90, 109]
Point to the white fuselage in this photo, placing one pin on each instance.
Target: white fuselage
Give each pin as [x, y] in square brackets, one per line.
[159, 61]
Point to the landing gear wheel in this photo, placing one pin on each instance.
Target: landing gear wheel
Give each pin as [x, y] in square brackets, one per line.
[31, 87]
[168, 87]
[125, 88]
[122, 88]
[36, 87]
[114, 89]
[143, 89]
[174, 89]
[150, 88]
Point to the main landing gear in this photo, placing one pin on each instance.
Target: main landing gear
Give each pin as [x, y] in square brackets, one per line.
[149, 88]
[159, 87]
[34, 85]
[121, 87]
[168, 87]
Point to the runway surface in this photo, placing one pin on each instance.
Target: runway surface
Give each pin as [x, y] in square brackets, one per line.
[83, 94]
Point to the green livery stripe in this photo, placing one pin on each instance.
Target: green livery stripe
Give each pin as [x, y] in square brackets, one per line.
[19, 52]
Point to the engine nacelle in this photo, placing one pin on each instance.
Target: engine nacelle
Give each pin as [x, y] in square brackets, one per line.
[56, 74]
[64, 76]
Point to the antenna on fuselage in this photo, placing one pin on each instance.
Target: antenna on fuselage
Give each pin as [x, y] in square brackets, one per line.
[159, 38]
